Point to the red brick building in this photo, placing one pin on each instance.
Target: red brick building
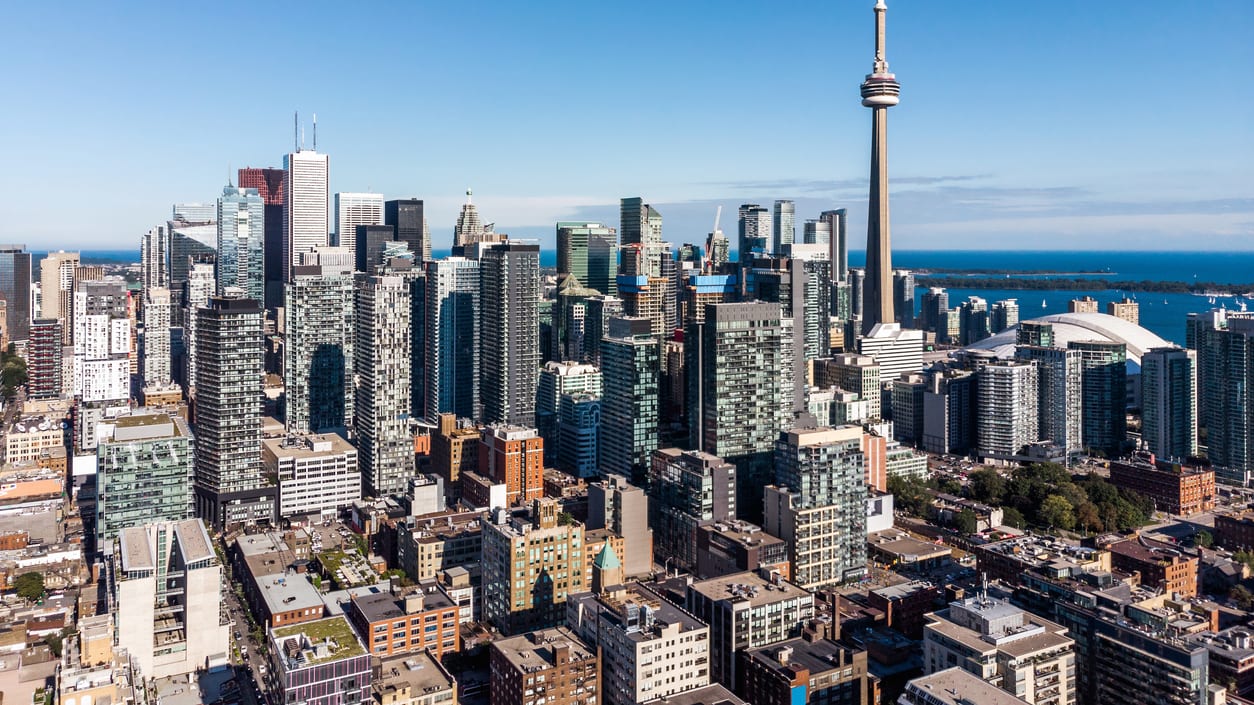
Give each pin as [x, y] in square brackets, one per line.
[1161, 566]
[396, 623]
[1174, 488]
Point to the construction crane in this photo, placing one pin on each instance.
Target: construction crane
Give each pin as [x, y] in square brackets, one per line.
[708, 260]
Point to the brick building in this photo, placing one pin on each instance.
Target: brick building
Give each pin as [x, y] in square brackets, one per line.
[1175, 488]
[1161, 566]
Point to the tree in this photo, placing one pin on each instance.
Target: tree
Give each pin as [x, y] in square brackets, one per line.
[565, 519]
[1013, 517]
[1088, 517]
[1056, 512]
[965, 522]
[1203, 539]
[12, 371]
[54, 642]
[1242, 596]
[987, 486]
[30, 586]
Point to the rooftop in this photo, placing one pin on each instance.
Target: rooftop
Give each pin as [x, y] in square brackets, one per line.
[747, 587]
[285, 592]
[312, 643]
[535, 651]
[954, 686]
[306, 446]
[417, 671]
[709, 695]
[817, 657]
[382, 606]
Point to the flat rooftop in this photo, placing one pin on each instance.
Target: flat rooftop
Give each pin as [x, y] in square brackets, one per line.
[307, 636]
[817, 657]
[709, 695]
[534, 651]
[308, 446]
[284, 592]
[419, 672]
[954, 686]
[383, 606]
[747, 587]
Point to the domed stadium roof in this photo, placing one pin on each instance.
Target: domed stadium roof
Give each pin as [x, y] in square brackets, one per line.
[1080, 326]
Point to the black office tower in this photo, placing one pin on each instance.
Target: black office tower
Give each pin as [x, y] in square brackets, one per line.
[370, 240]
[406, 216]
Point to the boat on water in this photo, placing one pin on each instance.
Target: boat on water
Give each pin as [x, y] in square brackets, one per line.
[1043, 304]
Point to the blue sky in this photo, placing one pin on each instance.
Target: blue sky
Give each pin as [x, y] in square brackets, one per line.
[1023, 125]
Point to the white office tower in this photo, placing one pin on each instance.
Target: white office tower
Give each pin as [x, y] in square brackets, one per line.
[56, 285]
[157, 337]
[897, 351]
[165, 591]
[305, 198]
[353, 209]
[196, 292]
[102, 341]
[1169, 402]
[783, 224]
[1007, 414]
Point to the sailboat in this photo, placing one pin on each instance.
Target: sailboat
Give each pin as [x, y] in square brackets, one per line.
[1043, 304]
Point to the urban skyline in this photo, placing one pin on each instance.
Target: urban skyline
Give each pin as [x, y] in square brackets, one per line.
[1133, 170]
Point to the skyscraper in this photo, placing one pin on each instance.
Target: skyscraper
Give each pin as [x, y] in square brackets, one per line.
[241, 242]
[102, 341]
[43, 359]
[1104, 379]
[451, 335]
[154, 262]
[409, 218]
[56, 284]
[1169, 402]
[903, 297]
[269, 185]
[144, 466]
[784, 224]
[383, 369]
[509, 332]
[468, 225]
[197, 289]
[15, 290]
[191, 242]
[353, 209]
[732, 365]
[318, 349]
[755, 231]
[157, 367]
[231, 489]
[1006, 417]
[639, 223]
[630, 369]
[368, 246]
[1003, 316]
[589, 251]
[933, 308]
[1225, 351]
[1060, 394]
[880, 91]
[305, 201]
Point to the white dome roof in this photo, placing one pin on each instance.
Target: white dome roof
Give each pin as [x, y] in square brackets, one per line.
[1070, 327]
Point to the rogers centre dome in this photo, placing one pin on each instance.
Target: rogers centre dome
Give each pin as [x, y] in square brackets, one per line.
[1080, 326]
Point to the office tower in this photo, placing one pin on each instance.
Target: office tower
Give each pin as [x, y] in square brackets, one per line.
[509, 332]
[703, 289]
[269, 185]
[1003, 316]
[783, 225]
[589, 251]
[907, 407]
[513, 456]
[570, 670]
[102, 341]
[861, 374]
[1224, 341]
[989, 638]
[949, 412]
[157, 365]
[144, 466]
[1104, 380]
[56, 284]
[530, 564]
[15, 290]
[688, 489]
[817, 232]
[1060, 384]
[306, 196]
[1084, 304]
[897, 351]
[838, 243]
[639, 223]
[1034, 333]
[320, 662]
[630, 369]
[817, 504]
[598, 311]
[578, 437]
[755, 231]
[165, 592]
[43, 359]
[974, 325]
[556, 379]
[1007, 416]
[241, 242]
[190, 243]
[194, 212]
[409, 218]
[935, 304]
[734, 397]
[231, 489]
[197, 289]
[317, 474]
[1169, 402]
[352, 210]
[383, 371]
[718, 251]
[468, 226]
[1127, 309]
[617, 505]
[369, 243]
[743, 613]
[318, 349]
[903, 297]
[857, 292]
[880, 91]
[569, 318]
[451, 338]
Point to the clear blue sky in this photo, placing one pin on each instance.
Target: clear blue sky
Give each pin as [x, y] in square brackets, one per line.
[1124, 124]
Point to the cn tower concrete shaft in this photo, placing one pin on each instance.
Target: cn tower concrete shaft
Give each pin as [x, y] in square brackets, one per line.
[880, 91]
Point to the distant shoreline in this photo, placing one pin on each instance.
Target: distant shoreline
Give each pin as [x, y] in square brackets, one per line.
[1200, 288]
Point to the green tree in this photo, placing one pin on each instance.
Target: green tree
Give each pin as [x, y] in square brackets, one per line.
[1088, 517]
[30, 586]
[1013, 517]
[565, 519]
[1056, 512]
[54, 642]
[1203, 539]
[12, 371]
[1242, 596]
[965, 522]
[987, 486]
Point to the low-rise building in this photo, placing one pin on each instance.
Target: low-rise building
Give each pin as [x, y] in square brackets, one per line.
[412, 679]
[1231, 658]
[954, 686]
[406, 620]
[1235, 530]
[1007, 559]
[27, 437]
[1176, 488]
[737, 546]
[1161, 566]
[318, 663]
[806, 670]
[437, 542]
[551, 664]
[905, 605]
[317, 474]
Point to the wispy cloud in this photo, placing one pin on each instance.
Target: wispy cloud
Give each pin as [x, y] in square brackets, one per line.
[810, 186]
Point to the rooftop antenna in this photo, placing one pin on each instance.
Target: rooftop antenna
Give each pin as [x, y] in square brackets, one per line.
[296, 131]
[315, 131]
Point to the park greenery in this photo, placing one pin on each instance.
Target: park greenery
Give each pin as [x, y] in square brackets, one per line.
[1041, 495]
[29, 586]
[1081, 284]
[12, 371]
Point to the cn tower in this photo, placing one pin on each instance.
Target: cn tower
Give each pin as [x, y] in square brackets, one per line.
[879, 91]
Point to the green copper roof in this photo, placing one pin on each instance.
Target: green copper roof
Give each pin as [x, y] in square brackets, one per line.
[606, 559]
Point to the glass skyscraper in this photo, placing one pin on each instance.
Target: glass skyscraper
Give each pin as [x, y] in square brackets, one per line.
[589, 251]
[509, 333]
[15, 290]
[630, 374]
[242, 242]
[451, 337]
[318, 349]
